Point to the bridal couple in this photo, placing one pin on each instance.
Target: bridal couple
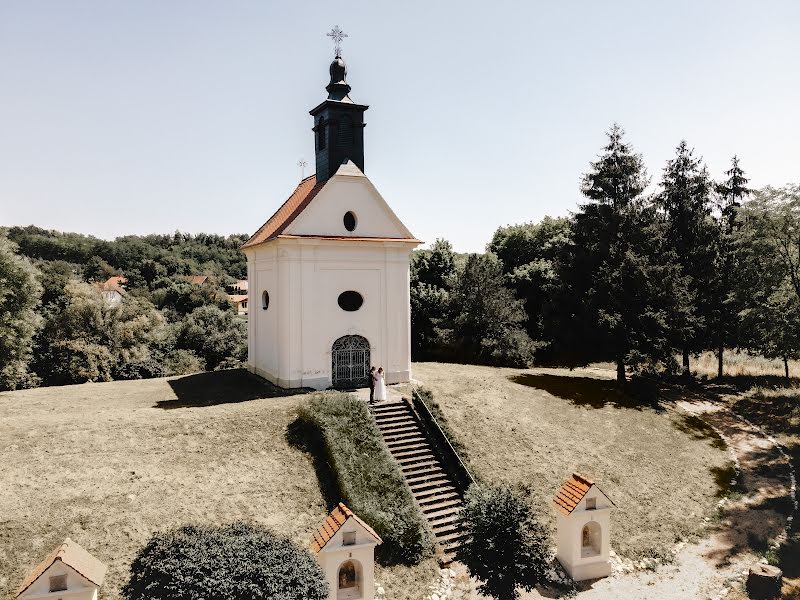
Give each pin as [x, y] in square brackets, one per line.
[377, 385]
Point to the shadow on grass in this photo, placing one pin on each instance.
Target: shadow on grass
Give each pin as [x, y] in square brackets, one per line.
[732, 384]
[699, 430]
[585, 391]
[307, 438]
[221, 387]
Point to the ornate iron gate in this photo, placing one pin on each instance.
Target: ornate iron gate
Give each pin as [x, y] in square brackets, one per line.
[350, 362]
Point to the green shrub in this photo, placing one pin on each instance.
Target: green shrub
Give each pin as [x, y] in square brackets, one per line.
[505, 546]
[365, 475]
[224, 563]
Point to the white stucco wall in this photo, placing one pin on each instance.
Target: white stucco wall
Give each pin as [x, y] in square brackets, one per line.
[345, 193]
[569, 538]
[290, 342]
[78, 587]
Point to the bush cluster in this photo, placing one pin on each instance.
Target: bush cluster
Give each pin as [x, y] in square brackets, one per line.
[365, 475]
[224, 563]
[506, 547]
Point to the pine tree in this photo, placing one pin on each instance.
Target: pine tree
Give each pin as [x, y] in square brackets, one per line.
[723, 317]
[628, 285]
[685, 201]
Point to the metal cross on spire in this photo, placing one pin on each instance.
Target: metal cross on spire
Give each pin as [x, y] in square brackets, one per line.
[337, 35]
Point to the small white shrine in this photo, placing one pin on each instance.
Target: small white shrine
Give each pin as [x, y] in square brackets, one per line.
[344, 547]
[69, 572]
[584, 528]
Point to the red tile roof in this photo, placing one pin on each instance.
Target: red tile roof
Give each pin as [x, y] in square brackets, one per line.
[333, 523]
[73, 555]
[117, 280]
[571, 493]
[196, 279]
[277, 223]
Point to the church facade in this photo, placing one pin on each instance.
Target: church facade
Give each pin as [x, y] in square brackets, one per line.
[329, 271]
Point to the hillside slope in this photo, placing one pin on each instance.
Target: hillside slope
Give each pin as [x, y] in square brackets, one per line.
[107, 464]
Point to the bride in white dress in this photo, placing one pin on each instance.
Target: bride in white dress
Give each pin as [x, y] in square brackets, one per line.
[380, 386]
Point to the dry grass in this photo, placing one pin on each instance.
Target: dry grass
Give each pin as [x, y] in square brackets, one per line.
[535, 427]
[108, 464]
[741, 364]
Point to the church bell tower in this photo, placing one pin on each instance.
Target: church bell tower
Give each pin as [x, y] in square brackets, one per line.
[338, 125]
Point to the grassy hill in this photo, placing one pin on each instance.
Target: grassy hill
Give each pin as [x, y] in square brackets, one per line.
[535, 427]
[110, 463]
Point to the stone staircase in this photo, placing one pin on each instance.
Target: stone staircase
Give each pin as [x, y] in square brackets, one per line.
[433, 488]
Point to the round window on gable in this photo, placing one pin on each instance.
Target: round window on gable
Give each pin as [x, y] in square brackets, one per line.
[350, 301]
[265, 299]
[349, 220]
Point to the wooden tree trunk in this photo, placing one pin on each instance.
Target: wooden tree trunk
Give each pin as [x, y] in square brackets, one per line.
[719, 361]
[621, 370]
[786, 366]
[686, 370]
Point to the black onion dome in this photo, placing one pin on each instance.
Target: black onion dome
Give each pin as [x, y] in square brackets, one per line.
[338, 71]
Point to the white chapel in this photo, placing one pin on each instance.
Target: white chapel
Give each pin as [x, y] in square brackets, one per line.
[329, 271]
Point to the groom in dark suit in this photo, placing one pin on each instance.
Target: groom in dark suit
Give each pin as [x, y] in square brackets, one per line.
[371, 385]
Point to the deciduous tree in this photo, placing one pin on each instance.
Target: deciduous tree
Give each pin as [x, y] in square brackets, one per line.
[486, 321]
[505, 547]
[20, 296]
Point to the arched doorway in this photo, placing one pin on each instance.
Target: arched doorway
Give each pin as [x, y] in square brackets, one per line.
[350, 362]
[349, 580]
[590, 539]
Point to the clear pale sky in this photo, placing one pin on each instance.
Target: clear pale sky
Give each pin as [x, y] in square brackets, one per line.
[144, 116]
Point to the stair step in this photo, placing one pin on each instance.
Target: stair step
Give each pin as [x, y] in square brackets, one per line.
[445, 529]
[437, 498]
[420, 466]
[454, 503]
[412, 451]
[421, 495]
[389, 404]
[394, 412]
[430, 472]
[409, 437]
[412, 439]
[441, 513]
[446, 559]
[399, 450]
[389, 420]
[448, 540]
[400, 431]
[430, 483]
[412, 460]
[397, 428]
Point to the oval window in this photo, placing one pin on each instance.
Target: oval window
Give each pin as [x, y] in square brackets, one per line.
[265, 300]
[349, 220]
[350, 301]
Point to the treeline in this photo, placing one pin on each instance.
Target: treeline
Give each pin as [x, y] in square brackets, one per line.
[56, 326]
[632, 277]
